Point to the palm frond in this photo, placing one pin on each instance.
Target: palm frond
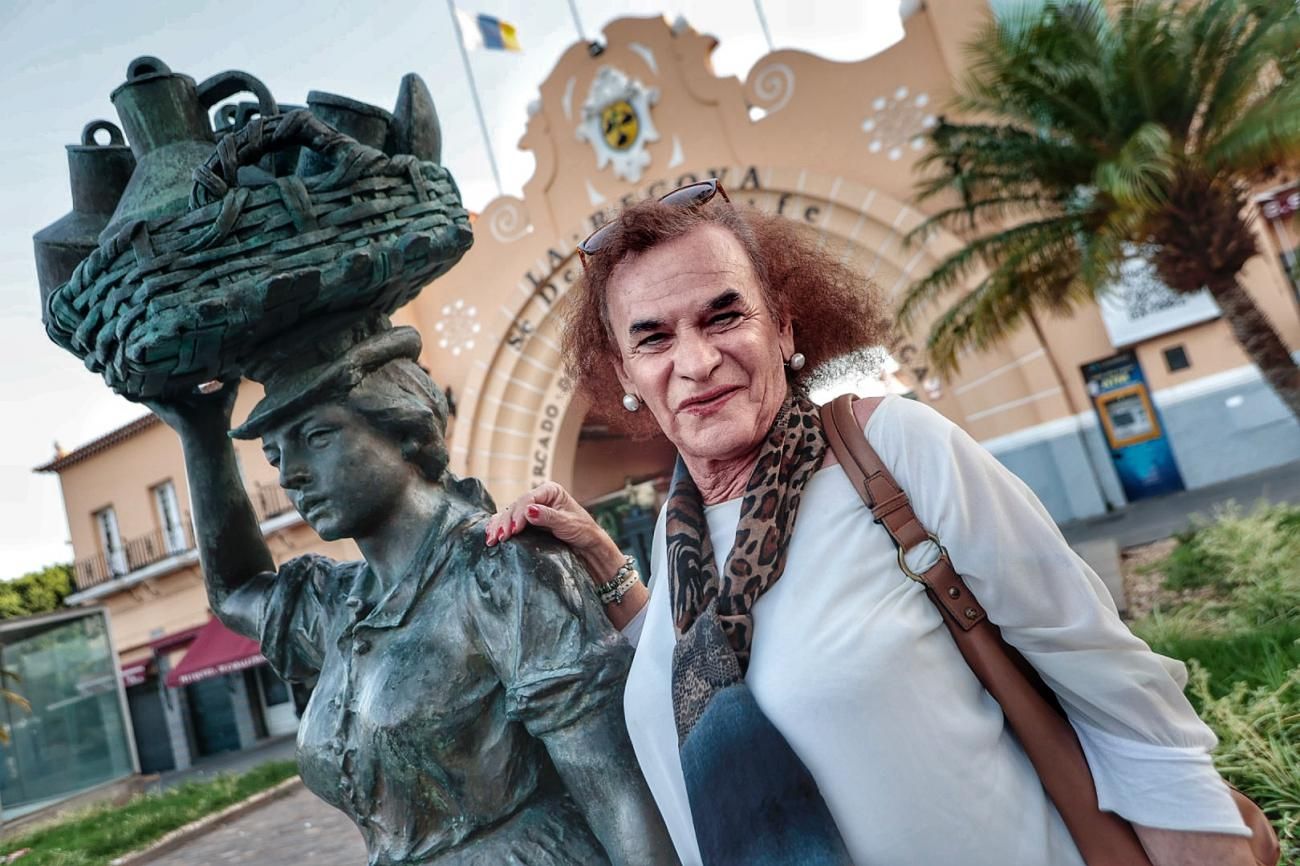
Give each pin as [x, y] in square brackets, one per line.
[995, 308]
[990, 251]
[1039, 67]
[1104, 122]
[967, 216]
[1249, 42]
[1264, 136]
[1139, 175]
[1105, 247]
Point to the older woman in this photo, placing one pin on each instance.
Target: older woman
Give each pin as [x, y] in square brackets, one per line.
[698, 317]
[456, 693]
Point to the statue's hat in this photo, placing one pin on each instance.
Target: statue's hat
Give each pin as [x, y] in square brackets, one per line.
[322, 362]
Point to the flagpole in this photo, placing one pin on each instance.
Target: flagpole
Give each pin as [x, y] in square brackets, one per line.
[762, 20]
[577, 22]
[473, 89]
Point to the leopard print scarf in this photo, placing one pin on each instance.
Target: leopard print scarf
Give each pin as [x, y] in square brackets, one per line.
[793, 451]
[752, 799]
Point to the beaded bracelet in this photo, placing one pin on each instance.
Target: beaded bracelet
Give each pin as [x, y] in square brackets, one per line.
[612, 592]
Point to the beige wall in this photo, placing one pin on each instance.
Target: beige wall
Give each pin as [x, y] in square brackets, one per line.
[124, 475]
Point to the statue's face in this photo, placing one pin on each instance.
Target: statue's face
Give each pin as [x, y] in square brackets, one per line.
[344, 476]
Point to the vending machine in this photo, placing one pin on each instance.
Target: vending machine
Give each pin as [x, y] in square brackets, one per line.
[1132, 427]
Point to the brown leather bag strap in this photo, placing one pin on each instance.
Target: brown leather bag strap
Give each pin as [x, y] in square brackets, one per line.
[893, 510]
[887, 501]
[1049, 741]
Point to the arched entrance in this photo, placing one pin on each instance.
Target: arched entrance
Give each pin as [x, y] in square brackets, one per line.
[518, 422]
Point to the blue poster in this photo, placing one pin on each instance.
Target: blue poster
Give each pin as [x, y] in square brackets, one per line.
[1132, 427]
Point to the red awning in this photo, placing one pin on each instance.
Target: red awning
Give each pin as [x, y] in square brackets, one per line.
[216, 650]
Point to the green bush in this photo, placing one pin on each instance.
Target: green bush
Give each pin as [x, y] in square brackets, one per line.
[1259, 745]
[1251, 561]
[1190, 565]
[1257, 658]
[1241, 639]
[95, 836]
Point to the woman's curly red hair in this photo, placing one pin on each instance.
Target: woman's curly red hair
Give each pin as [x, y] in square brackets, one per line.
[834, 309]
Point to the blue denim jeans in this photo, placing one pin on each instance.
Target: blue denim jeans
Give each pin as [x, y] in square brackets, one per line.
[753, 802]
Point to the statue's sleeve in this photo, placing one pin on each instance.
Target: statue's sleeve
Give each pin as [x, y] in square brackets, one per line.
[545, 633]
[292, 623]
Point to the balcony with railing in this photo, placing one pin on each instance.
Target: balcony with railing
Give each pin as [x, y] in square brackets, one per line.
[269, 502]
[134, 554]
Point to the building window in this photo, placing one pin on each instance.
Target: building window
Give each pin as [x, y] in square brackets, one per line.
[110, 541]
[169, 517]
[1176, 358]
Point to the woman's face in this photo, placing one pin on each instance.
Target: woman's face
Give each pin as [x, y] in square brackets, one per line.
[698, 345]
[344, 476]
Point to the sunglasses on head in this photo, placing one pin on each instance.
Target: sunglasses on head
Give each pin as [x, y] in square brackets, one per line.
[692, 195]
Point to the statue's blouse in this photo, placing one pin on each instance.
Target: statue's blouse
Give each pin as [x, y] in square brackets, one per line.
[429, 699]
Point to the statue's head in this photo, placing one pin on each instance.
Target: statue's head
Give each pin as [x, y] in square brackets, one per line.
[350, 420]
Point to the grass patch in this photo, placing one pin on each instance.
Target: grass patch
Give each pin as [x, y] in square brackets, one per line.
[97, 835]
[1249, 560]
[1254, 659]
[1239, 631]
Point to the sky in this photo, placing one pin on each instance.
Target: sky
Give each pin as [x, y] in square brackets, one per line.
[60, 60]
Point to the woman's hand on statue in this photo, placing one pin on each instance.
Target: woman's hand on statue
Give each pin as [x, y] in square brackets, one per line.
[550, 507]
[205, 411]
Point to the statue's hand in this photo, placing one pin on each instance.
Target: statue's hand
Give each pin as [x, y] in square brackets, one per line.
[205, 411]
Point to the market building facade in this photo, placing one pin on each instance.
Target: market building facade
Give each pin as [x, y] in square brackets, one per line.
[1131, 398]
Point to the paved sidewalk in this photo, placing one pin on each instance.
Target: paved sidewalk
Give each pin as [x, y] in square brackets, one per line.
[296, 829]
[1160, 517]
[278, 749]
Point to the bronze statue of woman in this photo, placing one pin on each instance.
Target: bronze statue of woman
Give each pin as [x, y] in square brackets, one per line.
[467, 701]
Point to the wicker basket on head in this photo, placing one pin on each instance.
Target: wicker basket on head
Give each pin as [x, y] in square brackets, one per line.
[171, 303]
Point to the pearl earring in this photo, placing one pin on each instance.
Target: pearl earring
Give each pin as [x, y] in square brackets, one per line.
[631, 403]
[797, 360]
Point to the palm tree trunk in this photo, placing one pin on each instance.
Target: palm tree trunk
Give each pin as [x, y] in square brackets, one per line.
[1066, 393]
[1261, 341]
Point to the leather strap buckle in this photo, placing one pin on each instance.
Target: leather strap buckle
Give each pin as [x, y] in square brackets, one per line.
[902, 560]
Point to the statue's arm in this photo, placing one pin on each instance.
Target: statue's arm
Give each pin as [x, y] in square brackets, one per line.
[563, 667]
[596, 762]
[235, 558]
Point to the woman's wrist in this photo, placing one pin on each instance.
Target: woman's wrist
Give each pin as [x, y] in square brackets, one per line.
[603, 560]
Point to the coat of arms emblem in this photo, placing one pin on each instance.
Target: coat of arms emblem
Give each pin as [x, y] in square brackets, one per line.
[616, 121]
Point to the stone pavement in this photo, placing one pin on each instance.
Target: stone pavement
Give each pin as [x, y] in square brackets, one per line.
[278, 749]
[296, 829]
[1163, 516]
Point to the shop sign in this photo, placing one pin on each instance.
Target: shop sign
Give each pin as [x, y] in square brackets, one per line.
[1139, 305]
[1281, 204]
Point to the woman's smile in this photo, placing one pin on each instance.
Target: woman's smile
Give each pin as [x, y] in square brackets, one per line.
[709, 402]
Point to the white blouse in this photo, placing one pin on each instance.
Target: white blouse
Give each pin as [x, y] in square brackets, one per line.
[853, 665]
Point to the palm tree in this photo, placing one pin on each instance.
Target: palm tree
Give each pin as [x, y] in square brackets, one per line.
[12, 697]
[1097, 135]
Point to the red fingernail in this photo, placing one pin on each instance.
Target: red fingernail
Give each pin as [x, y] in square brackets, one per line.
[533, 511]
[501, 533]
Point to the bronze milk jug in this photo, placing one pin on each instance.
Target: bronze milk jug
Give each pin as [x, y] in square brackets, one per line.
[169, 133]
[98, 174]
